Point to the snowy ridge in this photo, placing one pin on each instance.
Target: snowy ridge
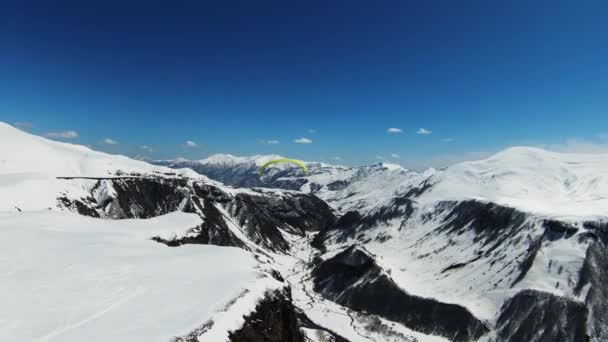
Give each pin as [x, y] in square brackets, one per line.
[31, 156]
[530, 179]
[30, 164]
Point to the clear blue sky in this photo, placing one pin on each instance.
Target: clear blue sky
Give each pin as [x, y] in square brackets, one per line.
[231, 74]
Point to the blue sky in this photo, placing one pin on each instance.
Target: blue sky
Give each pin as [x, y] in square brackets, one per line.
[231, 76]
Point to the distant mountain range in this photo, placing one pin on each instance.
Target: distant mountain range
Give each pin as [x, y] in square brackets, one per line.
[509, 248]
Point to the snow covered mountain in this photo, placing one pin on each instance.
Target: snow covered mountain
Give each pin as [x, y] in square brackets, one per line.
[345, 188]
[243, 171]
[510, 248]
[84, 250]
[518, 240]
[506, 238]
[531, 179]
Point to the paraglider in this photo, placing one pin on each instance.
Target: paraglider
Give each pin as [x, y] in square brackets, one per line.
[283, 160]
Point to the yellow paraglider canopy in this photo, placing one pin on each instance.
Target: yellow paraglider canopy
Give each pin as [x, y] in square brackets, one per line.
[283, 160]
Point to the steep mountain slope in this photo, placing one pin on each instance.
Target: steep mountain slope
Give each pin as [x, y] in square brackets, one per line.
[523, 226]
[497, 237]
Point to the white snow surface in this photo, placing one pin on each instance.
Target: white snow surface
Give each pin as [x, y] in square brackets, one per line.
[30, 165]
[65, 277]
[369, 187]
[531, 179]
[24, 155]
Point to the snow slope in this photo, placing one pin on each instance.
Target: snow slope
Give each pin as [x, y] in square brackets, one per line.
[65, 277]
[530, 179]
[30, 165]
[33, 156]
[369, 186]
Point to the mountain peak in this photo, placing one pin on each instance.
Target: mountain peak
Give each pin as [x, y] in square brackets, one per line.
[229, 159]
[531, 179]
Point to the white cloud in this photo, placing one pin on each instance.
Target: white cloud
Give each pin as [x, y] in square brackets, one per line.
[190, 143]
[303, 141]
[423, 131]
[110, 141]
[379, 157]
[269, 142]
[62, 135]
[337, 158]
[146, 148]
[23, 124]
[447, 140]
[393, 130]
[443, 160]
[395, 155]
[312, 131]
[576, 145]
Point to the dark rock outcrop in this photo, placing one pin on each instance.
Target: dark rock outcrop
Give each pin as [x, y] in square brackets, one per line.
[83, 206]
[144, 197]
[594, 278]
[276, 319]
[535, 316]
[259, 216]
[263, 215]
[213, 231]
[352, 222]
[131, 197]
[353, 279]
[491, 222]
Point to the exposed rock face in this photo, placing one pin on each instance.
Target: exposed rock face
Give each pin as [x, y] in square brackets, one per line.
[353, 279]
[276, 319]
[538, 316]
[594, 278]
[258, 216]
[213, 231]
[142, 197]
